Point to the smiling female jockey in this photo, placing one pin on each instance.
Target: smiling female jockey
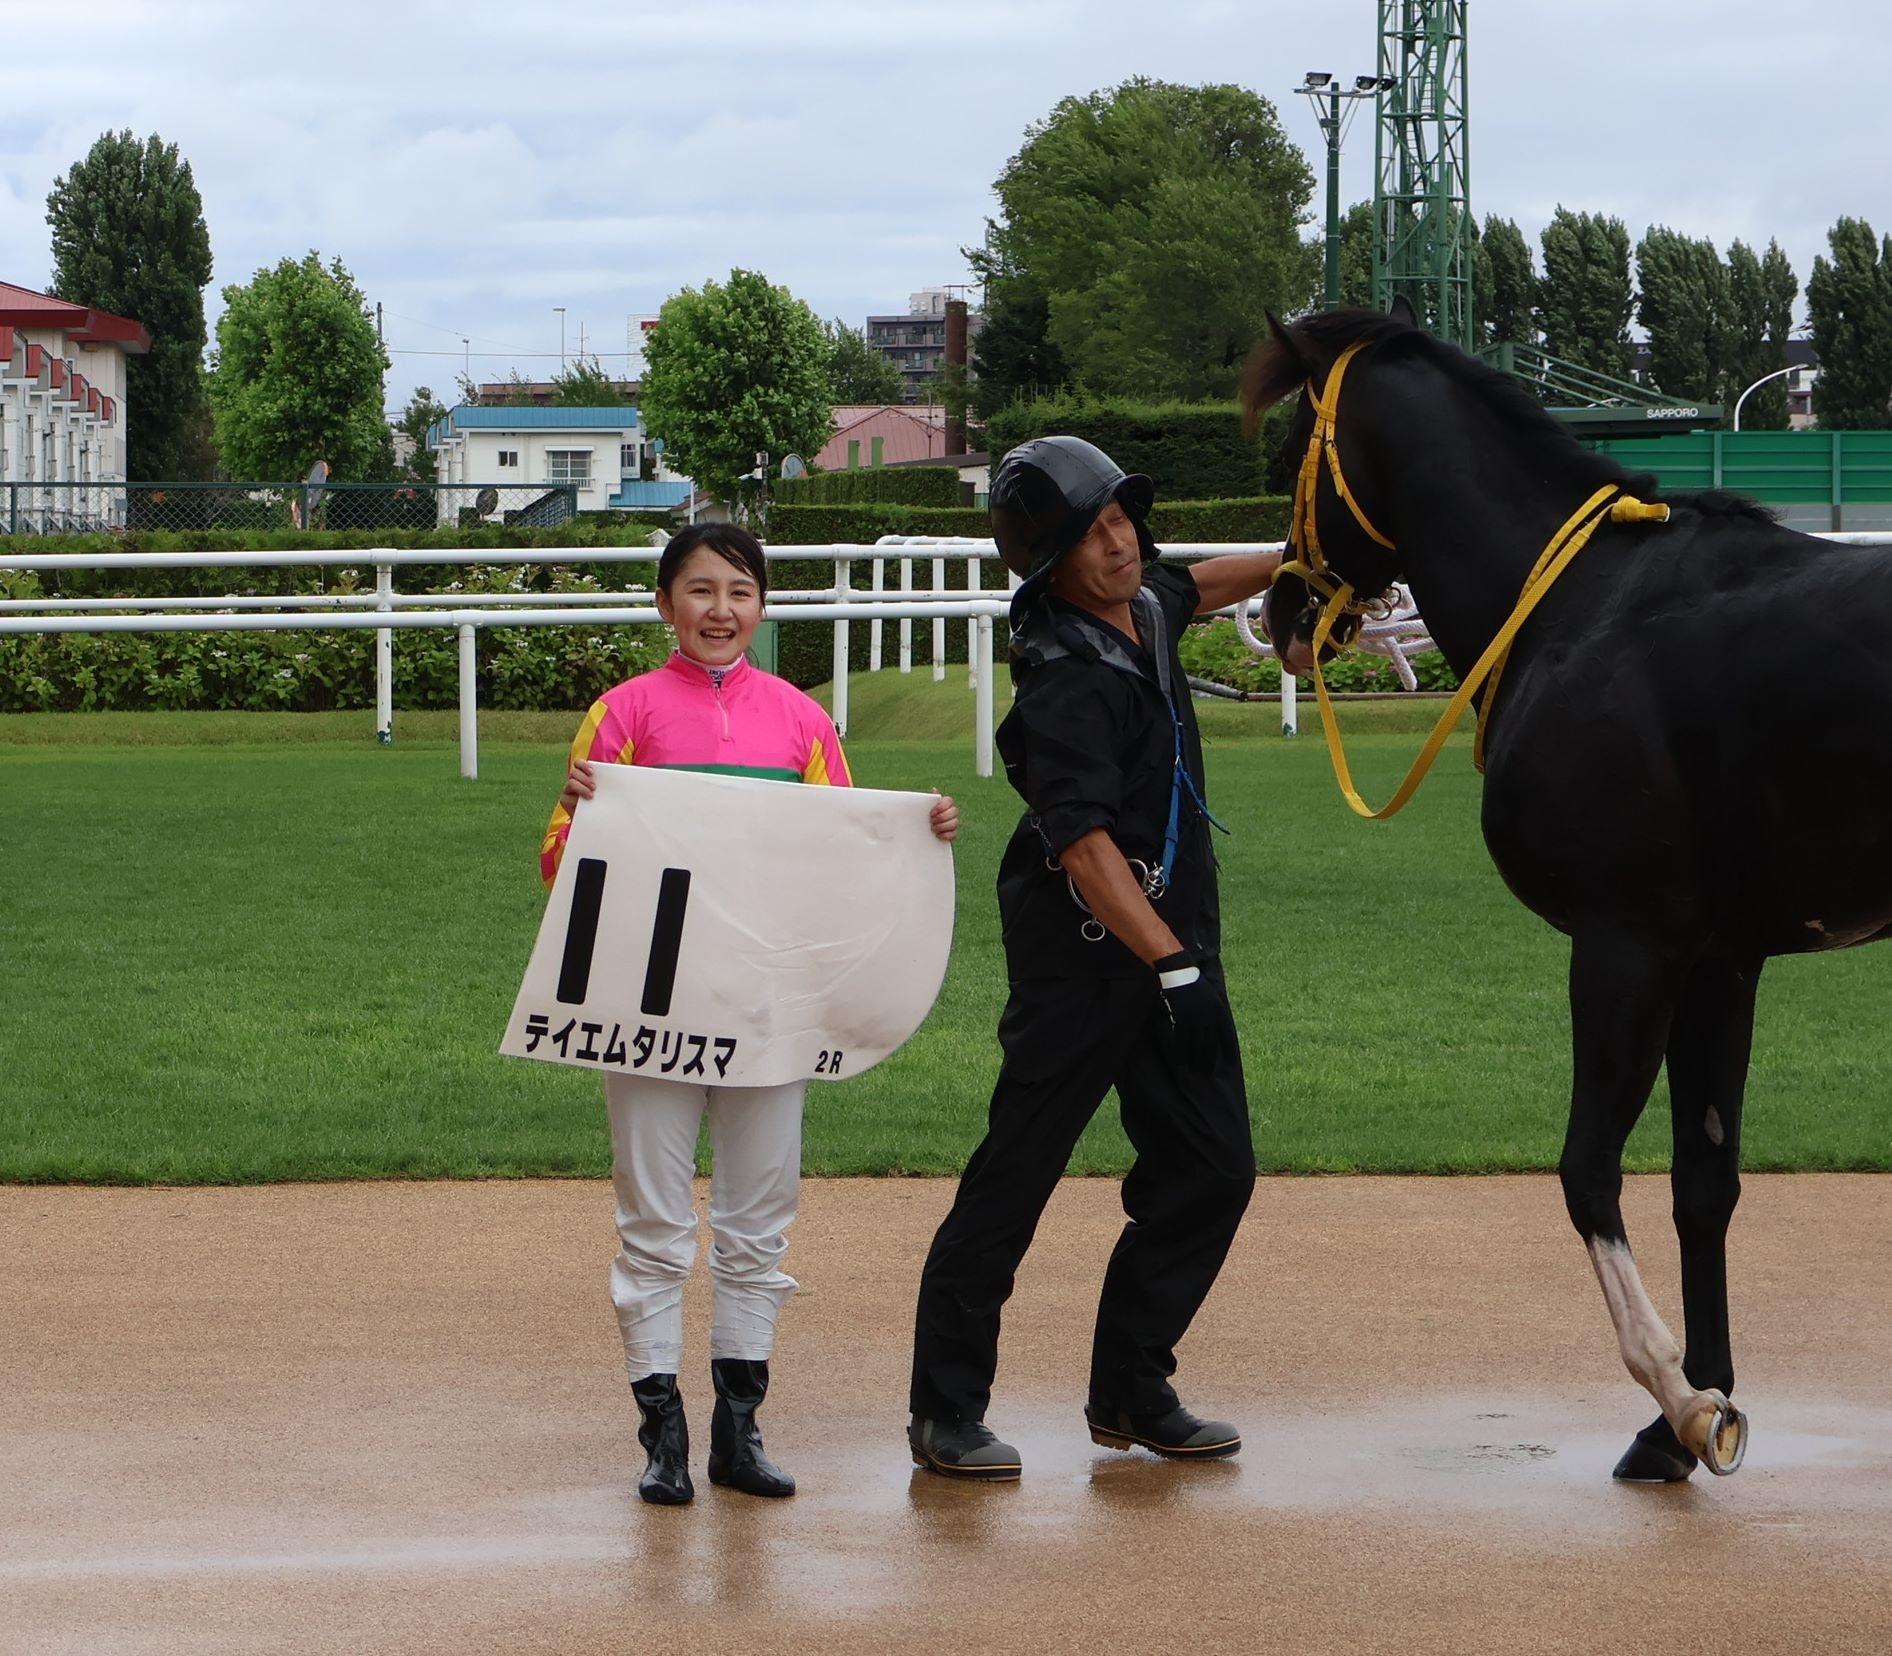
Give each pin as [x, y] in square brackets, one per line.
[705, 709]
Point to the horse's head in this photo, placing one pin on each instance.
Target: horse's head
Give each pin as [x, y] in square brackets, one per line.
[1340, 565]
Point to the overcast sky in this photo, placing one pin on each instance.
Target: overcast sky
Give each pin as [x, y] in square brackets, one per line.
[476, 165]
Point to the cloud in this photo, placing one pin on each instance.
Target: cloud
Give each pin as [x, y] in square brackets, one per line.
[475, 165]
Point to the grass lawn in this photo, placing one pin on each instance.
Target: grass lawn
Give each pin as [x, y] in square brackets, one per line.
[251, 947]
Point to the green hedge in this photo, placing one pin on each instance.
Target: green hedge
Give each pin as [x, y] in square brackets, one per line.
[309, 672]
[873, 485]
[1214, 650]
[1192, 451]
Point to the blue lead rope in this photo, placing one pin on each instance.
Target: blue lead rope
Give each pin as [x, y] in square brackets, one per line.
[1180, 782]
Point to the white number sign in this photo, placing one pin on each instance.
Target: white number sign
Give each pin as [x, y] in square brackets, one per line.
[726, 931]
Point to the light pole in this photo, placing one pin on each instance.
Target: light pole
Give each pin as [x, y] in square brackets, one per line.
[561, 339]
[1755, 387]
[1327, 95]
[466, 345]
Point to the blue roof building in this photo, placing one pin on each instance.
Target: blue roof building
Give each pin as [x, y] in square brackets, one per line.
[523, 453]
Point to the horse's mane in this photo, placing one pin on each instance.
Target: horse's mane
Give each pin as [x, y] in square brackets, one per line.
[1282, 363]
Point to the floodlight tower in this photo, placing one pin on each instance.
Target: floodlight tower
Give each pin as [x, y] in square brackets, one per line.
[1422, 222]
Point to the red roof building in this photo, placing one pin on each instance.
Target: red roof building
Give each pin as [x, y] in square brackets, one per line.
[62, 400]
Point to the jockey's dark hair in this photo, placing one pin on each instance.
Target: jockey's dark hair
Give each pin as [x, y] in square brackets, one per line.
[733, 545]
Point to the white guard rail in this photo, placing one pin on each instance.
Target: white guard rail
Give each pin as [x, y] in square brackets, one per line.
[1398, 634]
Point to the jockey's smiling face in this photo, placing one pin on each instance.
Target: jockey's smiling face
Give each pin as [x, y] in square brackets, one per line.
[714, 605]
[1103, 571]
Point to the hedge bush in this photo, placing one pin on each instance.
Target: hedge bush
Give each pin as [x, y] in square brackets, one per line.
[873, 485]
[1214, 650]
[1192, 451]
[308, 672]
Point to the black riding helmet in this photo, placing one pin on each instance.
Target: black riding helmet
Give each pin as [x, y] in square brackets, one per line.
[1044, 499]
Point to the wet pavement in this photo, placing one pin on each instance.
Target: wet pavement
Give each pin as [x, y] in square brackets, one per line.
[393, 1418]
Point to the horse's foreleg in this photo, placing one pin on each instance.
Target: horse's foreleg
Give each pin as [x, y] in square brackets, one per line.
[1708, 1061]
[1623, 998]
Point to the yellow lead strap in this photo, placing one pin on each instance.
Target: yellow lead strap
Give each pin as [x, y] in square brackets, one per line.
[1555, 559]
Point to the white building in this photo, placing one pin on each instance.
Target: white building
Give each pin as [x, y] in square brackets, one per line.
[601, 453]
[62, 412]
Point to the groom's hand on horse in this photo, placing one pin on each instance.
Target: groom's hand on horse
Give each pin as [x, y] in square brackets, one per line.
[1201, 1026]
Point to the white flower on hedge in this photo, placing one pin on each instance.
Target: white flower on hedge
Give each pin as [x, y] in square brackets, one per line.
[285, 672]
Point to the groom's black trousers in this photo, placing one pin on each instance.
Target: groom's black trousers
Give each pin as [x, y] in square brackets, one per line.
[1066, 1042]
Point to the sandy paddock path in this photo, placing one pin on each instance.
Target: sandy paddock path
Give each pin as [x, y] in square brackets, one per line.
[393, 1418]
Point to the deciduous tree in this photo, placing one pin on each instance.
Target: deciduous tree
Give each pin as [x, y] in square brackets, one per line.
[857, 373]
[1161, 224]
[298, 376]
[731, 369]
[583, 383]
[423, 410]
[128, 236]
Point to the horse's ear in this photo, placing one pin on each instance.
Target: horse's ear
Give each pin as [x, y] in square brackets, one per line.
[1275, 367]
[1400, 310]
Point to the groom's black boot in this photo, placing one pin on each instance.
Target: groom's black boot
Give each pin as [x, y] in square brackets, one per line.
[736, 1457]
[666, 1439]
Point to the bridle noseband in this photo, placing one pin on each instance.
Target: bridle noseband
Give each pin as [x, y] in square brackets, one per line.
[1323, 448]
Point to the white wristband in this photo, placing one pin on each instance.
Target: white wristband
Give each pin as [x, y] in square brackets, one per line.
[1180, 976]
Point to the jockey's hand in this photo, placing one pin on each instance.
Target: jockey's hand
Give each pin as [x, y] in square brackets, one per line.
[579, 784]
[945, 818]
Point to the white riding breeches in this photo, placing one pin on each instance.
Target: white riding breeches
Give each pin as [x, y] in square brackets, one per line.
[755, 1177]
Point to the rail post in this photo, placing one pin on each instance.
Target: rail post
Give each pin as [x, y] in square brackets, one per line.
[982, 698]
[841, 594]
[469, 704]
[972, 627]
[906, 626]
[384, 658]
[1290, 703]
[876, 585]
[939, 625]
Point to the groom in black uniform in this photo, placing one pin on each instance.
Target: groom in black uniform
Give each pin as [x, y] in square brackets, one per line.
[1112, 942]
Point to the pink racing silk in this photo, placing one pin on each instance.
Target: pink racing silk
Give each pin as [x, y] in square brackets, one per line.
[740, 721]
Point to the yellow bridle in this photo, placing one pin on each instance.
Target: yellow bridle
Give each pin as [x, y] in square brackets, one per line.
[1311, 565]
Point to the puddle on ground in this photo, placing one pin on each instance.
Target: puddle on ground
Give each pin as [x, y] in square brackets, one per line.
[1533, 1472]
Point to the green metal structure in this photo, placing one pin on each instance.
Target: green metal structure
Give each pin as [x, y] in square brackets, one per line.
[1422, 248]
[1598, 405]
[1815, 479]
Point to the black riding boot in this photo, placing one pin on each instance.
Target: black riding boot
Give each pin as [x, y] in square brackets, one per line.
[666, 1439]
[736, 1456]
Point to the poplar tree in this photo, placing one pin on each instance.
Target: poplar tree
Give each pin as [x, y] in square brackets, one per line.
[1849, 299]
[1761, 291]
[128, 236]
[1504, 285]
[1584, 298]
[1685, 300]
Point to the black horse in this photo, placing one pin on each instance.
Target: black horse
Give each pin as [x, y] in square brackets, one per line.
[1688, 768]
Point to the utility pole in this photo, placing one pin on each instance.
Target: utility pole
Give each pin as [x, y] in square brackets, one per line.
[561, 339]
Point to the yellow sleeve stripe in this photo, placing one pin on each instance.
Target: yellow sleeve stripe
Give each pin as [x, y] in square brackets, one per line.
[588, 731]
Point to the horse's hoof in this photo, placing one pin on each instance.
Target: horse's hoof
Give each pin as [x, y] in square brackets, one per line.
[1727, 1440]
[1656, 1456]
